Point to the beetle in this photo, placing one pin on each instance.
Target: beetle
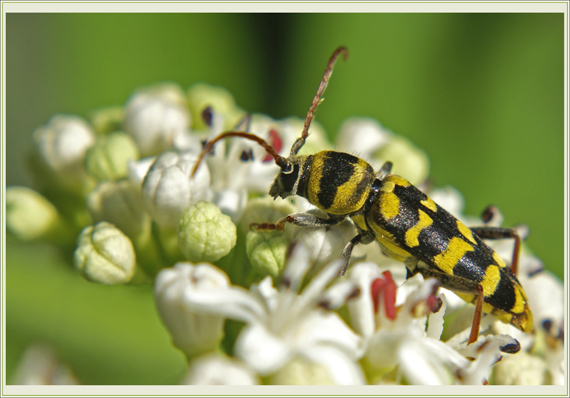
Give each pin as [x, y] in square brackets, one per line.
[406, 223]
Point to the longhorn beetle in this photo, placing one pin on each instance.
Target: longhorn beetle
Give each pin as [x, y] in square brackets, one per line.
[406, 223]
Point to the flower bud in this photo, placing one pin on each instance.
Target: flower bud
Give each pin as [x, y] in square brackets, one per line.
[192, 331]
[30, 216]
[409, 161]
[205, 234]
[107, 120]
[266, 251]
[201, 96]
[168, 188]
[119, 203]
[215, 369]
[109, 158]
[61, 146]
[155, 116]
[138, 170]
[105, 255]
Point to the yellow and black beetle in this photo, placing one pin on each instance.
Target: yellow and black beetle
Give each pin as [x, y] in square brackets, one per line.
[405, 222]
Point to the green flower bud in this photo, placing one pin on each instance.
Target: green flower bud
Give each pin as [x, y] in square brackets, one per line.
[30, 216]
[266, 251]
[108, 159]
[409, 161]
[107, 120]
[201, 96]
[105, 255]
[205, 234]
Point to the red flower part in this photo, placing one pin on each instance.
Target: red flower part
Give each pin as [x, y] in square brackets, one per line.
[385, 287]
[275, 141]
[433, 303]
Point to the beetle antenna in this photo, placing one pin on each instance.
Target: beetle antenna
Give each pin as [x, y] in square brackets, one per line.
[317, 99]
[279, 160]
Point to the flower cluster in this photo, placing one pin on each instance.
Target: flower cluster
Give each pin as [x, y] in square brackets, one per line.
[118, 190]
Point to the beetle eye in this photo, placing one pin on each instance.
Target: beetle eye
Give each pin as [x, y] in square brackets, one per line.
[288, 169]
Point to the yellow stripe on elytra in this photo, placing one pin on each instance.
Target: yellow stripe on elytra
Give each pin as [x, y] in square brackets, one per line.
[398, 180]
[315, 177]
[447, 259]
[389, 205]
[346, 199]
[430, 204]
[466, 232]
[491, 280]
[413, 233]
[388, 186]
[499, 260]
[518, 307]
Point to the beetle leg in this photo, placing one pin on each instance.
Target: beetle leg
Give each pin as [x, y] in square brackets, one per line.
[347, 251]
[477, 317]
[502, 233]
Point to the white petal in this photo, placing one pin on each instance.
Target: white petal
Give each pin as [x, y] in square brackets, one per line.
[419, 366]
[324, 327]
[234, 303]
[361, 308]
[261, 349]
[343, 369]
[435, 328]
[297, 266]
[318, 284]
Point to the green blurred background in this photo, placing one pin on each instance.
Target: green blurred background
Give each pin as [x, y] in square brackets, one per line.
[482, 94]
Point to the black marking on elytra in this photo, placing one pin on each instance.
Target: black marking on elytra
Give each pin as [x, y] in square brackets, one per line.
[337, 170]
[504, 296]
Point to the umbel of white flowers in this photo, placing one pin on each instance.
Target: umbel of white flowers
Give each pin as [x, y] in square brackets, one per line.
[117, 191]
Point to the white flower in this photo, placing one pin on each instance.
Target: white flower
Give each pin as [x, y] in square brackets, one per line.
[168, 188]
[284, 324]
[155, 116]
[215, 369]
[61, 145]
[393, 325]
[138, 170]
[362, 136]
[194, 332]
